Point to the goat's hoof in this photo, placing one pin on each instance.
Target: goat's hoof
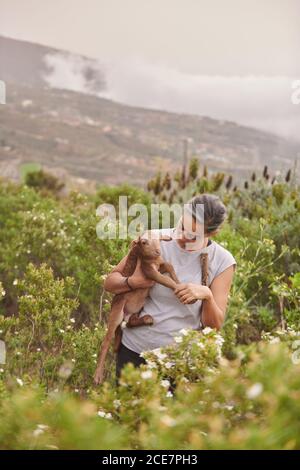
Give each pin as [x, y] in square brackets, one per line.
[148, 320]
[98, 378]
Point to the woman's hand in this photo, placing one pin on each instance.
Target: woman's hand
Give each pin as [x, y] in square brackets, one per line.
[190, 293]
[138, 279]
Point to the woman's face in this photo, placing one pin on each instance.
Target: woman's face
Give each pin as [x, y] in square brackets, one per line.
[190, 233]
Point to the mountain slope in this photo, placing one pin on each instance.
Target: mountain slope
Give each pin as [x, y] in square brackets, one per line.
[26, 63]
[95, 138]
[99, 139]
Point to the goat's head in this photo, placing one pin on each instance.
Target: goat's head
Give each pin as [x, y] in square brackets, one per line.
[149, 247]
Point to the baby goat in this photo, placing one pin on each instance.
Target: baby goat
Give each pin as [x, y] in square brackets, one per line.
[127, 306]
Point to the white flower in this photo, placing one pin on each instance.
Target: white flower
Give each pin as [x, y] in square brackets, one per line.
[102, 414]
[61, 331]
[43, 426]
[168, 365]
[20, 382]
[178, 339]
[169, 394]
[15, 282]
[228, 407]
[73, 360]
[40, 430]
[207, 330]
[156, 351]
[117, 403]
[183, 332]
[254, 391]
[147, 374]
[219, 340]
[165, 383]
[76, 390]
[274, 340]
[72, 320]
[185, 380]
[159, 354]
[168, 421]
[151, 365]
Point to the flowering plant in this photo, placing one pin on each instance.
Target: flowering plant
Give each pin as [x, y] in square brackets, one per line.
[193, 354]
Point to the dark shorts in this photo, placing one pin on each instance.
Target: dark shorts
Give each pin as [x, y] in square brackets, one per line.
[124, 356]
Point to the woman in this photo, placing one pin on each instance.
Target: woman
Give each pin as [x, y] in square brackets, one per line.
[174, 310]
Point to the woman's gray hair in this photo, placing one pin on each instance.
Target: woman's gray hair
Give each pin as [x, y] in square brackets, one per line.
[214, 211]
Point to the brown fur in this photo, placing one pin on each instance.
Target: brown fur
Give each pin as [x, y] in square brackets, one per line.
[128, 305]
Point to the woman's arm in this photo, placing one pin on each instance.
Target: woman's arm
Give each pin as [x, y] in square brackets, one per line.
[214, 298]
[214, 307]
[116, 282]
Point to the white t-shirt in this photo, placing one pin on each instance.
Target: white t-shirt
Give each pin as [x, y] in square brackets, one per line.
[169, 315]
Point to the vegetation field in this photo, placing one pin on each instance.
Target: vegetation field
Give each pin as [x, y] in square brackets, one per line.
[238, 388]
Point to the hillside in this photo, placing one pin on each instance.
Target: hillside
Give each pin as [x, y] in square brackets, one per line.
[95, 138]
[26, 63]
[98, 139]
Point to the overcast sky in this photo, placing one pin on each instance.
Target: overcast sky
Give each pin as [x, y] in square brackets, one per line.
[180, 51]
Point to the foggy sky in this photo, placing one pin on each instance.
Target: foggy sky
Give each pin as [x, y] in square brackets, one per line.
[228, 59]
[222, 37]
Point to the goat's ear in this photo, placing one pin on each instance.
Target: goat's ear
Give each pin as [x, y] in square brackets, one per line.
[135, 242]
[165, 238]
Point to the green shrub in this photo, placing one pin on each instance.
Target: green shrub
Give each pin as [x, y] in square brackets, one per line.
[238, 388]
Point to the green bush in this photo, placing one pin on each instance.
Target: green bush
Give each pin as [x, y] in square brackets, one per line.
[238, 388]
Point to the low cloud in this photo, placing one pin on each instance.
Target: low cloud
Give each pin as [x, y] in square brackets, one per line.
[73, 72]
[261, 102]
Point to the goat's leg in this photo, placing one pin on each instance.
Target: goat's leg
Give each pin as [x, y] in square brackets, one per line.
[156, 276]
[135, 320]
[115, 319]
[168, 268]
[118, 339]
